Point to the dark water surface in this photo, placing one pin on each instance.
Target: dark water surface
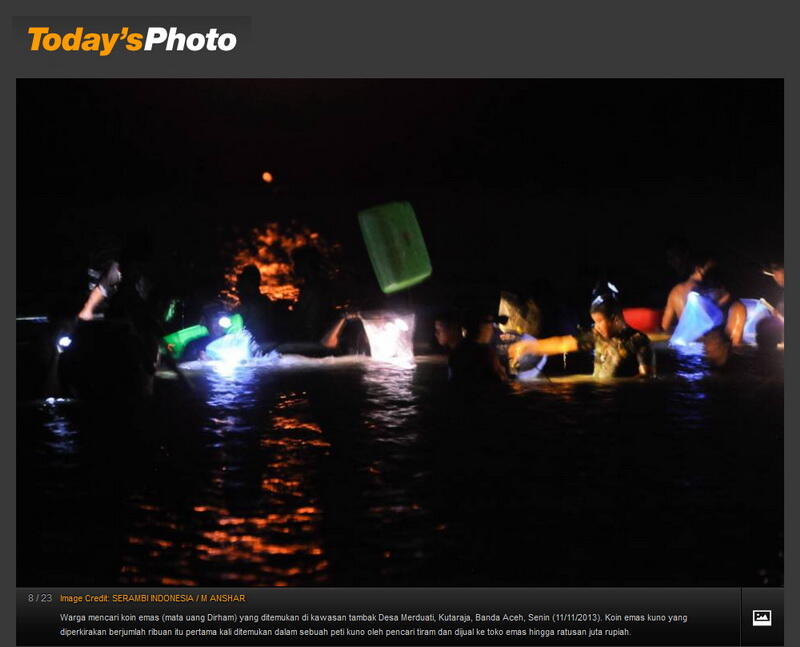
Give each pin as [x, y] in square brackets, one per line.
[348, 472]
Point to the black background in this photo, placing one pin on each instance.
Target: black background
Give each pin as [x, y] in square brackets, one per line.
[512, 180]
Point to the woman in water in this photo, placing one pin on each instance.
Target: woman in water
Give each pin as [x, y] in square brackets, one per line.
[619, 350]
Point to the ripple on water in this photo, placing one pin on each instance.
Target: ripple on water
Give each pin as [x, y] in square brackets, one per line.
[344, 472]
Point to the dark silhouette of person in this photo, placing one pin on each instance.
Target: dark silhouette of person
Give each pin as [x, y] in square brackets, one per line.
[316, 327]
[257, 310]
[314, 310]
[121, 355]
[474, 361]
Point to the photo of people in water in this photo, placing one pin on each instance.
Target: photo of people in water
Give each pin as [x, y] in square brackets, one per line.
[398, 332]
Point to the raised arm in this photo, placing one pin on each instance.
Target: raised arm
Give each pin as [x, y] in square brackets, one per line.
[96, 297]
[331, 338]
[106, 286]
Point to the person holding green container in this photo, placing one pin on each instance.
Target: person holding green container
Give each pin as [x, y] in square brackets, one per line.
[189, 344]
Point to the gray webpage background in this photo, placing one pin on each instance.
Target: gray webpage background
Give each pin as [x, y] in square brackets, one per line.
[413, 39]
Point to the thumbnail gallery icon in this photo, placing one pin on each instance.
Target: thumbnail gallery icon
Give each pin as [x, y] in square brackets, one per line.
[762, 618]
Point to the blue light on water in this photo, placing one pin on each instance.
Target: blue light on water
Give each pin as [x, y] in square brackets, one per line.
[691, 366]
[691, 349]
[700, 314]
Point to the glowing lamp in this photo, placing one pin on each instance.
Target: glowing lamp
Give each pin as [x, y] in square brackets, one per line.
[64, 342]
[224, 322]
[266, 176]
[391, 337]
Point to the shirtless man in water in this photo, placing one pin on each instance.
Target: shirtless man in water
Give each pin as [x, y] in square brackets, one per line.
[678, 295]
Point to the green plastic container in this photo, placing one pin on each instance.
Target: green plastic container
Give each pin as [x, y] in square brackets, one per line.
[237, 324]
[395, 245]
[176, 342]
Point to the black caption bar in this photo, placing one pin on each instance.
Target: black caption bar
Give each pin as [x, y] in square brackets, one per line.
[406, 616]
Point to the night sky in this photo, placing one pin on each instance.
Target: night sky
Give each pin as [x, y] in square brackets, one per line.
[513, 181]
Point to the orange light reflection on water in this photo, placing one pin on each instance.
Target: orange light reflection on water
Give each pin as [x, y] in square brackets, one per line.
[285, 542]
[273, 541]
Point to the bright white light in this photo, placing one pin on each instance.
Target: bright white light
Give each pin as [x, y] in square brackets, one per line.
[613, 288]
[232, 355]
[64, 342]
[231, 349]
[391, 338]
[224, 322]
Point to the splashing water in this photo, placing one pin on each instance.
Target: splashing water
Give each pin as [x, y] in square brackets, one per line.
[390, 337]
[231, 349]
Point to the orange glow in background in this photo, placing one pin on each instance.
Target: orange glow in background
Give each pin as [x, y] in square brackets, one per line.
[269, 248]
